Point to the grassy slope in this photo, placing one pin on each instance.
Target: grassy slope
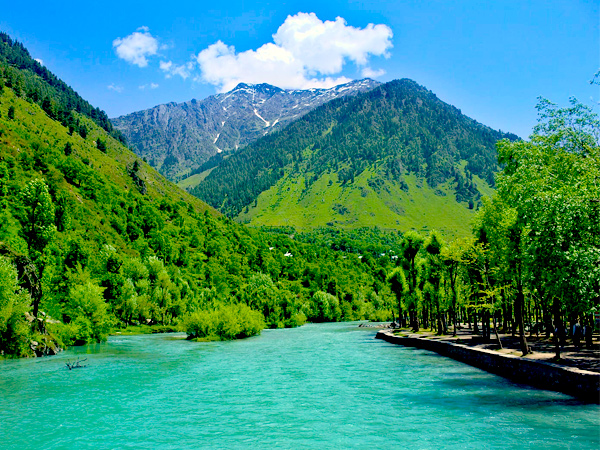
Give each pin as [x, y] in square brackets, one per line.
[390, 207]
[33, 125]
[194, 180]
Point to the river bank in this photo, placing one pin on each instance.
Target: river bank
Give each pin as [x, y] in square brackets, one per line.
[134, 330]
[536, 369]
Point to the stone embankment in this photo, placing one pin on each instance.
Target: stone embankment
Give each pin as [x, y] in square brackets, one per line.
[583, 384]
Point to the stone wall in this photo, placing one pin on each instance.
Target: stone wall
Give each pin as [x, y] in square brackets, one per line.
[584, 385]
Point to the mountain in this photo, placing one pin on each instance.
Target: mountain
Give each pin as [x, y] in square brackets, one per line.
[92, 238]
[178, 138]
[396, 157]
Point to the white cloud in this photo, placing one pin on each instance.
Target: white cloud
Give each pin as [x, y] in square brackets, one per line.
[170, 69]
[367, 72]
[149, 86]
[136, 47]
[306, 52]
[39, 61]
[323, 46]
[114, 87]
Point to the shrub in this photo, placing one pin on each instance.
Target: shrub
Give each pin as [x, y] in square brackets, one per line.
[226, 323]
[89, 312]
[323, 307]
[297, 320]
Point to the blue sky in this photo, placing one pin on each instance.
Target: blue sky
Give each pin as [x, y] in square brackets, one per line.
[491, 59]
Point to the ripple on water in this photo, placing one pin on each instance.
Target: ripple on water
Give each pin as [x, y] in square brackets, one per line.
[314, 387]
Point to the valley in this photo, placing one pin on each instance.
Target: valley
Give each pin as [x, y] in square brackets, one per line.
[384, 205]
[115, 244]
[265, 225]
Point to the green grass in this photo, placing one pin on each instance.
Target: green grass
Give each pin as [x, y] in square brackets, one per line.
[288, 203]
[485, 189]
[194, 180]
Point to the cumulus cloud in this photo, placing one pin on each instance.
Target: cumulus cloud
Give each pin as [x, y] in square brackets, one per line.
[114, 87]
[137, 47]
[306, 52]
[39, 61]
[183, 70]
[323, 46]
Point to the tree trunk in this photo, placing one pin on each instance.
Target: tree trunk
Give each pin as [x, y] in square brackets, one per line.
[589, 329]
[413, 315]
[432, 318]
[507, 317]
[496, 332]
[483, 330]
[453, 310]
[558, 326]
[519, 303]
[547, 321]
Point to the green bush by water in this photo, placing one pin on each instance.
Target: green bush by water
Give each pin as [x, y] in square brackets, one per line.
[225, 323]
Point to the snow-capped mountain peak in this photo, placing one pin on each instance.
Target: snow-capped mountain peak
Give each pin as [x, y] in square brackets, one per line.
[177, 137]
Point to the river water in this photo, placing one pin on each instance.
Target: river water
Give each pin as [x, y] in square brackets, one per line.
[315, 387]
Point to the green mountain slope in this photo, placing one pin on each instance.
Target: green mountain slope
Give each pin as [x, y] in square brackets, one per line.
[397, 157]
[37, 84]
[35, 143]
[389, 205]
[92, 238]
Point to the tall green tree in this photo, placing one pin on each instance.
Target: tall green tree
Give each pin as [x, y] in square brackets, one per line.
[87, 310]
[549, 198]
[14, 302]
[400, 288]
[37, 218]
[434, 275]
[452, 256]
[411, 246]
[37, 229]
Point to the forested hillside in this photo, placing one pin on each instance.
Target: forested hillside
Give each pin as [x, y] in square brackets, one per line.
[395, 147]
[92, 239]
[31, 79]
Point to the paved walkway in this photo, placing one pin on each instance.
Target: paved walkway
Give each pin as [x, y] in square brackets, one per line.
[541, 348]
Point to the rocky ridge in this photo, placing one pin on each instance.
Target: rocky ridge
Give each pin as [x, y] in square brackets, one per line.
[177, 138]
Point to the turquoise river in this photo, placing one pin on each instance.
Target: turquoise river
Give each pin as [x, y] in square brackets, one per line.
[315, 387]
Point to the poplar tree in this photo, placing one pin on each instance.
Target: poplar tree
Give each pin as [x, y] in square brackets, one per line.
[37, 229]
